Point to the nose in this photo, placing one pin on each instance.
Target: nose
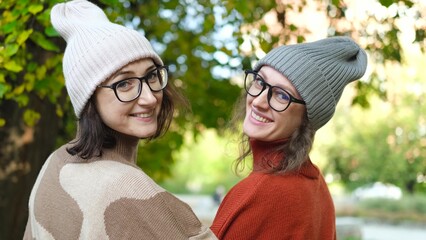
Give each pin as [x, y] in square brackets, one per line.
[261, 101]
[146, 97]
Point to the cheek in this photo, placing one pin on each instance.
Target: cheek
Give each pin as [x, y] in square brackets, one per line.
[290, 119]
[108, 107]
[249, 101]
[159, 98]
[105, 114]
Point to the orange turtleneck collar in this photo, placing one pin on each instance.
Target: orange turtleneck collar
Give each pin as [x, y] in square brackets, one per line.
[264, 157]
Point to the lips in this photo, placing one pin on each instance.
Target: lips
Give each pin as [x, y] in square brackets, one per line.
[259, 118]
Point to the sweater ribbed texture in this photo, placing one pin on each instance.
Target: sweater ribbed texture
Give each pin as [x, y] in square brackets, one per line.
[296, 206]
[107, 197]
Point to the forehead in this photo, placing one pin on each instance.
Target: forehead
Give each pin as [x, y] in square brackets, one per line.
[137, 66]
[134, 69]
[275, 78]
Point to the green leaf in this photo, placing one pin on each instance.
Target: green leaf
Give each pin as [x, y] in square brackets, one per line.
[13, 66]
[22, 100]
[9, 27]
[51, 32]
[19, 89]
[43, 42]
[41, 72]
[386, 3]
[11, 38]
[30, 79]
[420, 35]
[3, 89]
[34, 9]
[11, 49]
[23, 2]
[23, 36]
[409, 3]
[2, 122]
[32, 66]
[31, 117]
[293, 27]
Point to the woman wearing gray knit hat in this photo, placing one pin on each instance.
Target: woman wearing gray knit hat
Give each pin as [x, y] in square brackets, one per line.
[292, 92]
[91, 188]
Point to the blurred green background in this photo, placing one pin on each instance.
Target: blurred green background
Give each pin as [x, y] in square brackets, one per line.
[378, 133]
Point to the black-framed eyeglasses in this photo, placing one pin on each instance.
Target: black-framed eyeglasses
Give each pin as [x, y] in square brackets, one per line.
[278, 98]
[129, 89]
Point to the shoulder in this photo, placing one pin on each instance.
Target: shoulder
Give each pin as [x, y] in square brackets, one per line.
[267, 191]
[252, 204]
[108, 175]
[265, 183]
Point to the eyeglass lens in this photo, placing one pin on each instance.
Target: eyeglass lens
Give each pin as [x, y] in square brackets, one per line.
[131, 88]
[278, 98]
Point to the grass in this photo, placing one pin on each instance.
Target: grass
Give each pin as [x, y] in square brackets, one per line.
[409, 209]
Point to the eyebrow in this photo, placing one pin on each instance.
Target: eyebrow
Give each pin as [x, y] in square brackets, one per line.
[292, 91]
[125, 72]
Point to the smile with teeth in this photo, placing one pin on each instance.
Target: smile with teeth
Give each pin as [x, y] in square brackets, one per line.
[143, 115]
[259, 118]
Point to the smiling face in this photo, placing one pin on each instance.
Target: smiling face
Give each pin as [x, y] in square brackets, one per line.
[137, 118]
[261, 121]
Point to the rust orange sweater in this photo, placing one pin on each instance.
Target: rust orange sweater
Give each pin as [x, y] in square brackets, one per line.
[295, 206]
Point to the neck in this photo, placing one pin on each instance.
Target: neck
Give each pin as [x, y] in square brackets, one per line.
[125, 150]
[265, 156]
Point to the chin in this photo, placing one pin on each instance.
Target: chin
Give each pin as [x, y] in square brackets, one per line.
[258, 135]
[253, 135]
[253, 132]
[147, 135]
[143, 134]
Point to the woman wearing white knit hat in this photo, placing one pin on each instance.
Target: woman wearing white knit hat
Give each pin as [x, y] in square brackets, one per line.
[291, 93]
[91, 188]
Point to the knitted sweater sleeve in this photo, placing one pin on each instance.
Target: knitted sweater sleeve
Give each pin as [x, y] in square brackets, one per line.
[233, 218]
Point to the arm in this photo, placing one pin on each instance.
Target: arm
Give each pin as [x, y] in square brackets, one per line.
[160, 217]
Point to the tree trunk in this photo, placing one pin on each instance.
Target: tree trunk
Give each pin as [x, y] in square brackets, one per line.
[410, 185]
[23, 151]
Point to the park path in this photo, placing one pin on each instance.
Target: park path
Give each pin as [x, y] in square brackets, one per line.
[377, 231]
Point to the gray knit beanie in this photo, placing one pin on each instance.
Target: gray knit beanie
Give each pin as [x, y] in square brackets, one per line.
[96, 48]
[319, 71]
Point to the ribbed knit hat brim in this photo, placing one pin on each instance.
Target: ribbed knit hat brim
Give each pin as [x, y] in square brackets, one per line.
[319, 71]
[96, 48]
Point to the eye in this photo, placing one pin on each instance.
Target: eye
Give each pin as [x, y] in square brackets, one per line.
[152, 76]
[258, 81]
[281, 95]
[127, 84]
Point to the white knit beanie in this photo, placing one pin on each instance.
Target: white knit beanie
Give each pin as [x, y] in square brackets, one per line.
[96, 48]
[319, 71]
